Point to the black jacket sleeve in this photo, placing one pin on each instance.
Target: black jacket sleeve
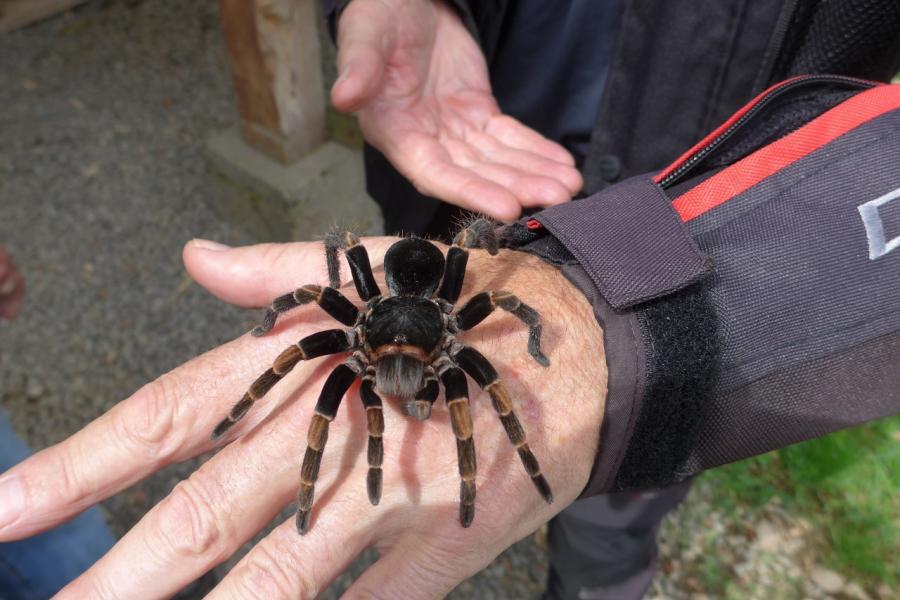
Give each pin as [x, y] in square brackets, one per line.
[749, 293]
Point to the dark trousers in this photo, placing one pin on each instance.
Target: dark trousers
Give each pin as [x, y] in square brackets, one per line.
[604, 548]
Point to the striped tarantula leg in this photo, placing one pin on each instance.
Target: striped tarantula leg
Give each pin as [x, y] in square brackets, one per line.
[332, 301]
[357, 257]
[420, 406]
[457, 393]
[478, 367]
[330, 341]
[337, 384]
[375, 454]
[479, 234]
[481, 305]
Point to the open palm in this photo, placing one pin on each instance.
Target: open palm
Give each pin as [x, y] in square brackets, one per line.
[420, 86]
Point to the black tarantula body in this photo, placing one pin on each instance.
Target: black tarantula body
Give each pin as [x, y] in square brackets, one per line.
[403, 346]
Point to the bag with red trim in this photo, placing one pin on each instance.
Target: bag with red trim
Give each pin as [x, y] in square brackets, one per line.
[750, 292]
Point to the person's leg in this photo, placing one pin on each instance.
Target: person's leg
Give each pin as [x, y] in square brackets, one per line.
[605, 547]
[40, 566]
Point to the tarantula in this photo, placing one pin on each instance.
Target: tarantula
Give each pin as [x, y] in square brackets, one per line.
[402, 345]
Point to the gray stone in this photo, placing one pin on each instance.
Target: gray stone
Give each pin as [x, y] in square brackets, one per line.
[35, 389]
[856, 592]
[827, 580]
[768, 537]
[274, 202]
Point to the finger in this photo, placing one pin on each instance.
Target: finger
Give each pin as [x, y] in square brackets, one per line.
[207, 517]
[252, 276]
[364, 39]
[416, 568]
[433, 173]
[531, 188]
[513, 133]
[285, 565]
[166, 421]
[527, 161]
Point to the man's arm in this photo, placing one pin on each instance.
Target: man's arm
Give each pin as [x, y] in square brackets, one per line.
[419, 84]
[750, 307]
[425, 551]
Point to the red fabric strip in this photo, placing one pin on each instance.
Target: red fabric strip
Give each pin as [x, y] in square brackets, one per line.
[766, 161]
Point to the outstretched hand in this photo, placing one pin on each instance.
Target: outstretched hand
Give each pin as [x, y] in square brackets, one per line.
[420, 86]
[424, 550]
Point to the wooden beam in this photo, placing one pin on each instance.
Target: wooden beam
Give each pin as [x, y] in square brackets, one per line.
[19, 13]
[274, 50]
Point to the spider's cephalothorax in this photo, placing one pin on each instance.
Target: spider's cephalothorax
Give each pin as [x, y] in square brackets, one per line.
[401, 346]
[404, 332]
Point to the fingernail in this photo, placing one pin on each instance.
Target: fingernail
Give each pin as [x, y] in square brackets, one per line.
[209, 245]
[8, 287]
[12, 500]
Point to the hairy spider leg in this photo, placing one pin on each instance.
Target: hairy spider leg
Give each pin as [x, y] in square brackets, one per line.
[479, 234]
[481, 370]
[481, 305]
[329, 299]
[337, 384]
[375, 453]
[330, 341]
[420, 407]
[358, 259]
[456, 391]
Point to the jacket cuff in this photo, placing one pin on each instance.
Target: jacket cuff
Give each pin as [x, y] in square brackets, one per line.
[629, 253]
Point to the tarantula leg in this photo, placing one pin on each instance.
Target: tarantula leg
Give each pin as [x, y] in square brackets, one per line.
[357, 257]
[479, 234]
[312, 346]
[481, 305]
[420, 406]
[337, 384]
[375, 454]
[329, 299]
[478, 367]
[457, 394]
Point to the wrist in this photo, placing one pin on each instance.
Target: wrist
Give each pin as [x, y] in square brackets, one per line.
[573, 341]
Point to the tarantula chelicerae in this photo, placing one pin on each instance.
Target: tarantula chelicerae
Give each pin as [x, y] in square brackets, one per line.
[401, 346]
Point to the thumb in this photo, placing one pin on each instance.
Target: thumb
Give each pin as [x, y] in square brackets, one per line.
[251, 276]
[364, 39]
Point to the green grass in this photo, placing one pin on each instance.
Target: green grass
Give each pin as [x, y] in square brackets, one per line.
[847, 484]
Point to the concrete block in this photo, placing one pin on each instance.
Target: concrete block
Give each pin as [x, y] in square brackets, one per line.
[302, 201]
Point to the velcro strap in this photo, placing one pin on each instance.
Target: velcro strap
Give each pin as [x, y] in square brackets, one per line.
[630, 241]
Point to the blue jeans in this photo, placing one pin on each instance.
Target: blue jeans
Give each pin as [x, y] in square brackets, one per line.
[40, 566]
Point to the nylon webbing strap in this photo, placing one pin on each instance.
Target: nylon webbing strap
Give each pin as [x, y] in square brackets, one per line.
[635, 248]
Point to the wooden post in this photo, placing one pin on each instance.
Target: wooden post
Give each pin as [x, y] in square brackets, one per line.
[275, 62]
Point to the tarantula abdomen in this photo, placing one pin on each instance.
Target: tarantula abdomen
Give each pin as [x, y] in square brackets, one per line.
[399, 375]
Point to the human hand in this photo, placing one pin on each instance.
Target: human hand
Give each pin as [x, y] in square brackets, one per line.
[420, 86]
[424, 550]
[12, 287]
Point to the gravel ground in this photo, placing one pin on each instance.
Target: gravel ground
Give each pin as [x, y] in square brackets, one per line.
[102, 180]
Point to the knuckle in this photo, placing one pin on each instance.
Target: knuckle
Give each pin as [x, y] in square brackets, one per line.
[187, 524]
[70, 482]
[266, 576]
[146, 424]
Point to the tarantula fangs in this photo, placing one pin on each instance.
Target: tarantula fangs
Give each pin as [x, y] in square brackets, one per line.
[402, 345]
